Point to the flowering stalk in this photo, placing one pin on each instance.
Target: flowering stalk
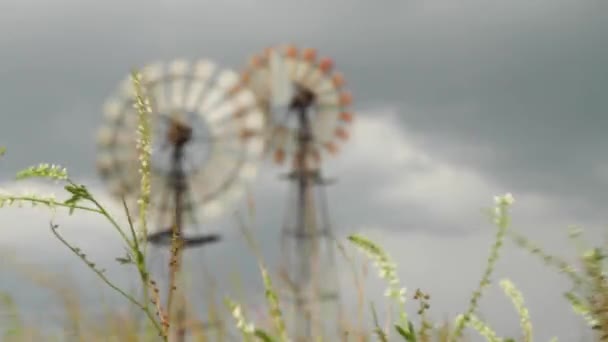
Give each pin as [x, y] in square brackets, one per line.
[501, 219]
[388, 272]
[144, 147]
[481, 327]
[44, 170]
[518, 301]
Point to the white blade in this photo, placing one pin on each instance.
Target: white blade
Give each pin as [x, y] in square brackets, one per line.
[194, 93]
[280, 84]
[105, 162]
[105, 136]
[112, 109]
[248, 172]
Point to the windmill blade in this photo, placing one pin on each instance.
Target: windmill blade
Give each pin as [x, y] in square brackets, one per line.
[280, 83]
[112, 110]
[197, 88]
[177, 71]
[152, 73]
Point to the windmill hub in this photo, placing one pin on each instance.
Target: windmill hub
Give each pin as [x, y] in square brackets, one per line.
[179, 133]
[303, 98]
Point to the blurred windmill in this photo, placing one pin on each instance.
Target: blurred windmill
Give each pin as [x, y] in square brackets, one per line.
[307, 115]
[204, 150]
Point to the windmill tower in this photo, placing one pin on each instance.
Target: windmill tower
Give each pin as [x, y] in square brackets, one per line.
[307, 114]
[204, 153]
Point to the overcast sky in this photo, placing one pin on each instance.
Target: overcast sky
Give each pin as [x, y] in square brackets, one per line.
[457, 102]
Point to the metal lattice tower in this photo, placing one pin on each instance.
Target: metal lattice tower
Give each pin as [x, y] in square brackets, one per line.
[306, 113]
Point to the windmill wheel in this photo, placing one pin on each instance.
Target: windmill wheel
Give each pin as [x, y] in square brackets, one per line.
[285, 77]
[205, 113]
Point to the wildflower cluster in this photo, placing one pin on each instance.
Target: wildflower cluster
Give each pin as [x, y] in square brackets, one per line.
[248, 329]
[144, 145]
[482, 328]
[387, 268]
[518, 301]
[501, 219]
[7, 199]
[598, 290]
[273, 302]
[424, 306]
[44, 170]
[387, 271]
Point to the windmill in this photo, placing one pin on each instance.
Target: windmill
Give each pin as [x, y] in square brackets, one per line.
[204, 151]
[307, 114]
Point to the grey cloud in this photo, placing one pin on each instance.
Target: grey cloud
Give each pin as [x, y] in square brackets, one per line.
[523, 78]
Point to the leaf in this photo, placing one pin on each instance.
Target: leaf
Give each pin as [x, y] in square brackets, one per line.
[262, 335]
[582, 309]
[125, 260]
[406, 335]
[412, 331]
[409, 336]
[379, 332]
[72, 200]
[78, 191]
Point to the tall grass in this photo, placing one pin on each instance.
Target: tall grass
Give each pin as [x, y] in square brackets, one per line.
[588, 296]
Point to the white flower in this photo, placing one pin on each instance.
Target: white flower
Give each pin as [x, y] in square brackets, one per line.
[506, 199]
[236, 312]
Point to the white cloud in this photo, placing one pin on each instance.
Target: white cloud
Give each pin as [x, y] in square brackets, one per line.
[27, 229]
[417, 177]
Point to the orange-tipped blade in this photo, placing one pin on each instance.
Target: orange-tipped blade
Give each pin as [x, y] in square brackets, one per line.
[256, 61]
[331, 148]
[291, 51]
[279, 156]
[346, 117]
[267, 52]
[338, 80]
[326, 64]
[310, 54]
[342, 133]
[245, 76]
[346, 99]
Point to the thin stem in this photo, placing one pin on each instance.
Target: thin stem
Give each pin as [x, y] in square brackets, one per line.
[105, 279]
[103, 211]
[51, 203]
[139, 257]
[502, 221]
